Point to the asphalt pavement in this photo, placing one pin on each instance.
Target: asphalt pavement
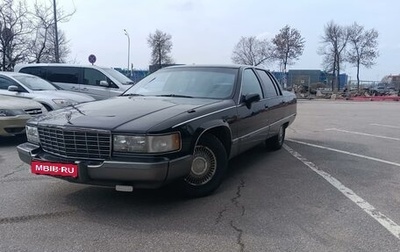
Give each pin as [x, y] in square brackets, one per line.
[335, 186]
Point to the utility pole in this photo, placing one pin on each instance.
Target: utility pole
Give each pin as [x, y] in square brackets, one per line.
[57, 55]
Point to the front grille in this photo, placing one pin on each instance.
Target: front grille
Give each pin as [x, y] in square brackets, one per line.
[36, 111]
[87, 144]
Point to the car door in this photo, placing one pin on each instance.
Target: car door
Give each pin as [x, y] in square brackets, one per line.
[67, 78]
[97, 84]
[253, 121]
[274, 100]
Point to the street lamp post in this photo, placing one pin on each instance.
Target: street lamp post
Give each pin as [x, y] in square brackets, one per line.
[129, 47]
[56, 45]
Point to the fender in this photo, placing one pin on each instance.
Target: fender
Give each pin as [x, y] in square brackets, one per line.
[208, 126]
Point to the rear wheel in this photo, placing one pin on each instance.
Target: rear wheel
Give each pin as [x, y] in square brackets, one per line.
[276, 142]
[208, 167]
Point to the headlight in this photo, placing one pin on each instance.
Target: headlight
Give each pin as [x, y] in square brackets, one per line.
[147, 144]
[11, 112]
[32, 134]
[64, 102]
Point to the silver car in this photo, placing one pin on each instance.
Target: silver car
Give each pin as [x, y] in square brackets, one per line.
[98, 82]
[42, 91]
[14, 112]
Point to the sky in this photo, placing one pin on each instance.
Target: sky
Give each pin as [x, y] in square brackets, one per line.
[206, 31]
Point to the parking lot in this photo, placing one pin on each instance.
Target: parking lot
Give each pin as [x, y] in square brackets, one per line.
[335, 186]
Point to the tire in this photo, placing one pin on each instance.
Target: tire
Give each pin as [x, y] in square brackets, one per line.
[208, 167]
[276, 142]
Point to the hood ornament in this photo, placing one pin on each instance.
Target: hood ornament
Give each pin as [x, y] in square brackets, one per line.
[68, 116]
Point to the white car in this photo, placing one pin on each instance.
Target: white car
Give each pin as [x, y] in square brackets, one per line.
[98, 82]
[32, 87]
[14, 112]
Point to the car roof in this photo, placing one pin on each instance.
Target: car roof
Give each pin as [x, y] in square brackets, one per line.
[20, 66]
[235, 66]
[206, 65]
[12, 74]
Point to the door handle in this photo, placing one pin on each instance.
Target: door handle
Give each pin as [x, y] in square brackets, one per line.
[85, 89]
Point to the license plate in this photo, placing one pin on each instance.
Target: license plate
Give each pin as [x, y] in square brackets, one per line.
[54, 169]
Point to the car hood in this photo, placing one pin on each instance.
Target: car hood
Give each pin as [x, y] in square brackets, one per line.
[124, 114]
[63, 94]
[7, 102]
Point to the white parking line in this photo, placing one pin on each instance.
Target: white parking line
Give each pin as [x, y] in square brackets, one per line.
[384, 125]
[386, 222]
[363, 134]
[346, 152]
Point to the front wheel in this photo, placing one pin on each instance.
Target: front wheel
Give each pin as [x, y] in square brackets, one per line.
[208, 167]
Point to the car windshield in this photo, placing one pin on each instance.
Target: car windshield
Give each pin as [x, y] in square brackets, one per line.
[118, 76]
[214, 83]
[34, 83]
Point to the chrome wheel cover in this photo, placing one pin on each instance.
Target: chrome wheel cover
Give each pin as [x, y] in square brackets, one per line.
[203, 167]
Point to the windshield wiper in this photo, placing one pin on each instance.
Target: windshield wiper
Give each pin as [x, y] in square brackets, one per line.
[175, 95]
[80, 111]
[131, 95]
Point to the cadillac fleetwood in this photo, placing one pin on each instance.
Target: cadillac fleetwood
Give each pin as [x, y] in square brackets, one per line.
[180, 124]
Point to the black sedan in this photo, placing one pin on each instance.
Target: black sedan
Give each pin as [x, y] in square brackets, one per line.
[180, 124]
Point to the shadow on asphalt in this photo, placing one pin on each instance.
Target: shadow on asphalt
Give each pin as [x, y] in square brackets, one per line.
[165, 209]
[93, 198]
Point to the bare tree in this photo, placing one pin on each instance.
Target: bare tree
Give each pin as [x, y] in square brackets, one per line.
[161, 46]
[14, 31]
[288, 46]
[364, 48]
[334, 43]
[251, 51]
[43, 44]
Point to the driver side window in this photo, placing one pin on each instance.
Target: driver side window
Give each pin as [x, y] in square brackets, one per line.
[250, 83]
[5, 83]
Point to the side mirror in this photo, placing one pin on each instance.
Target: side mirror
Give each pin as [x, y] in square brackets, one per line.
[104, 83]
[250, 98]
[13, 88]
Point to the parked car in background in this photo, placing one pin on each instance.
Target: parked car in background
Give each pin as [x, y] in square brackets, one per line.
[32, 87]
[14, 112]
[98, 82]
[178, 124]
[382, 89]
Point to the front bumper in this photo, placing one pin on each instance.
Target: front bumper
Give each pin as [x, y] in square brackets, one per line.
[13, 125]
[110, 173]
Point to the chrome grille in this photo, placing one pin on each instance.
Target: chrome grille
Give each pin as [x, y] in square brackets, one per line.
[88, 144]
[36, 111]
